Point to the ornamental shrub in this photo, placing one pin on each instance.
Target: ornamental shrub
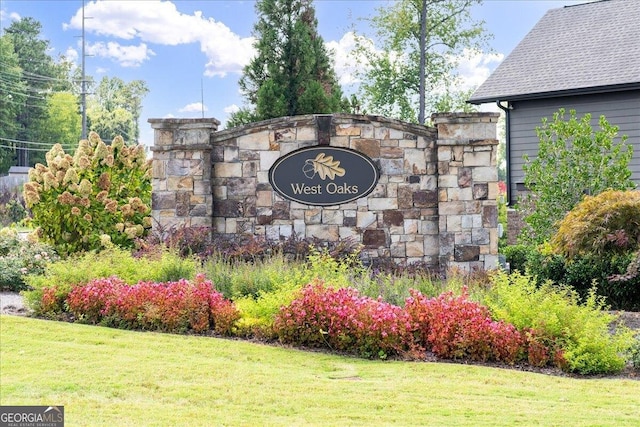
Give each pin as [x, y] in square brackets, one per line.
[603, 225]
[572, 160]
[79, 269]
[101, 194]
[516, 256]
[614, 277]
[20, 258]
[453, 327]
[574, 336]
[342, 320]
[180, 306]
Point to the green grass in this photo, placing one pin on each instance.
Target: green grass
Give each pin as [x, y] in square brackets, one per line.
[109, 377]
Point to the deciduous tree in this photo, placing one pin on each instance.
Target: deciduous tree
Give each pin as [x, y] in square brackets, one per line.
[391, 84]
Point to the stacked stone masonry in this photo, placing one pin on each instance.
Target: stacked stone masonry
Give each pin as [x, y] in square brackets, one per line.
[435, 201]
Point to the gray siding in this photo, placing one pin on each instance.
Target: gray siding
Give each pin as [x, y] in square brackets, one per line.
[620, 108]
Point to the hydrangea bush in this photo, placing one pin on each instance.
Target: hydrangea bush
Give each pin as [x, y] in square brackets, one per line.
[101, 194]
[19, 258]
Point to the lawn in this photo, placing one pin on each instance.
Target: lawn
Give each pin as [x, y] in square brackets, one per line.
[109, 377]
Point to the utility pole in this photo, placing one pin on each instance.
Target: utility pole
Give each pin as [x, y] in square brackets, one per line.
[423, 54]
[83, 94]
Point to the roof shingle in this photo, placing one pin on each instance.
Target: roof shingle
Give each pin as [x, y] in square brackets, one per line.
[574, 48]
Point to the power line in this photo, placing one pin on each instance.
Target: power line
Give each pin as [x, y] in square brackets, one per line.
[32, 143]
[41, 150]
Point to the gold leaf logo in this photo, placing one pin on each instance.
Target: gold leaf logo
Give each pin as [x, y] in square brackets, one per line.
[324, 166]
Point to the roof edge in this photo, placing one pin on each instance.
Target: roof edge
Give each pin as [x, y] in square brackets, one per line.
[557, 93]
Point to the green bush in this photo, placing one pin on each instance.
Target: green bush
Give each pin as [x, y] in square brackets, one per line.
[19, 258]
[554, 314]
[81, 268]
[102, 194]
[603, 225]
[572, 160]
[634, 354]
[257, 314]
[609, 275]
[516, 256]
[545, 265]
[12, 209]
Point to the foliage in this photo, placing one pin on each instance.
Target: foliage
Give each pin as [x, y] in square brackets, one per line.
[394, 287]
[573, 160]
[612, 276]
[241, 117]
[391, 81]
[185, 241]
[576, 336]
[63, 123]
[453, 327]
[604, 225]
[19, 258]
[32, 78]
[180, 306]
[257, 314]
[344, 321]
[60, 277]
[115, 108]
[291, 73]
[631, 275]
[102, 194]
[635, 354]
[14, 93]
[12, 208]
[517, 255]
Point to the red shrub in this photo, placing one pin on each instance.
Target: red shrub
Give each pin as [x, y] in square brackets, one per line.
[91, 302]
[50, 302]
[542, 351]
[343, 321]
[173, 307]
[455, 327]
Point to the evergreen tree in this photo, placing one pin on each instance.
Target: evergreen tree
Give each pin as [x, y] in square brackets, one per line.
[291, 73]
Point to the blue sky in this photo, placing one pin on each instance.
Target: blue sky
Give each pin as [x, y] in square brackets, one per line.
[191, 51]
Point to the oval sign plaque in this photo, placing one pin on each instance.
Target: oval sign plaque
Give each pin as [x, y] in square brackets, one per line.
[323, 175]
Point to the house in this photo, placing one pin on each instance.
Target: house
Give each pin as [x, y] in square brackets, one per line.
[584, 57]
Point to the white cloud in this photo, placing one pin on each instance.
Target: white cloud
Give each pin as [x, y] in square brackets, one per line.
[474, 67]
[5, 16]
[230, 109]
[71, 54]
[126, 56]
[194, 107]
[345, 61]
[160, 22]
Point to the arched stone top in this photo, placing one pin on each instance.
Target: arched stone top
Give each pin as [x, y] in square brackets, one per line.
[337, 119]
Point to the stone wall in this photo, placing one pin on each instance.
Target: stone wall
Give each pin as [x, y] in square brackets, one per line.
[435, 201]
[182, 172]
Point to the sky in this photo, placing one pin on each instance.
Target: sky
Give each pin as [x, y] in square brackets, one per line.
[191, 53]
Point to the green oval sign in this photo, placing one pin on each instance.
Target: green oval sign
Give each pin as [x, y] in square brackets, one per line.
[324, 176]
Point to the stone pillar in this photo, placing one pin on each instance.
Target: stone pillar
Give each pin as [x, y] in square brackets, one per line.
[182, 193]
[467, 190]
